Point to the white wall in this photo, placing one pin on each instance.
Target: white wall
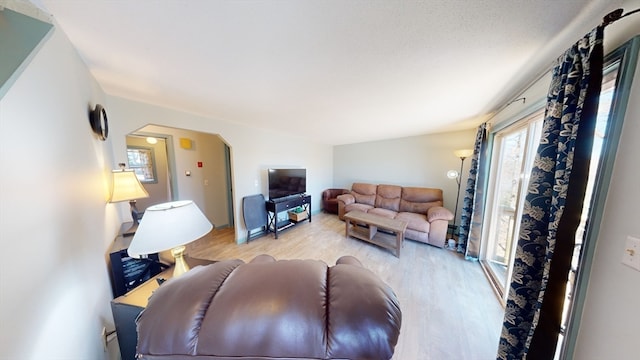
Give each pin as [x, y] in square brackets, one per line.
[55, 223]
[253, 150]
[411, 161]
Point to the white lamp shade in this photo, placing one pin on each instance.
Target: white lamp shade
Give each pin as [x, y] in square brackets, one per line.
[464, 153]
[168, 225]
[126, 186]
[452, 174]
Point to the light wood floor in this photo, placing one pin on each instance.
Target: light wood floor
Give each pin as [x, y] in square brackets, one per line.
[449, 310]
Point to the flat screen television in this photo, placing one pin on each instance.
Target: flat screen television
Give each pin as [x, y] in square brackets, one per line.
[287, 182]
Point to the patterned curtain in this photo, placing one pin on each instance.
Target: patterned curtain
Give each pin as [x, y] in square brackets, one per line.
[553, 204]
[474, 198]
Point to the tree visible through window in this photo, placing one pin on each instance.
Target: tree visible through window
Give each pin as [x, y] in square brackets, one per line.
[141, 161]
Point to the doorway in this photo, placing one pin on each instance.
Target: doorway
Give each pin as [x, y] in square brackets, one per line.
[197, 167]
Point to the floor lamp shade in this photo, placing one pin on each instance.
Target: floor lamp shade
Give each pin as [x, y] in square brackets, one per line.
[167, 226]
[464, 153]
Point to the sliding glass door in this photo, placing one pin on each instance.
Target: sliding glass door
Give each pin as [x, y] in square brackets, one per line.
[514, 150]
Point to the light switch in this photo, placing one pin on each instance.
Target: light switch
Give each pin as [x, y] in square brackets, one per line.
[631, 256]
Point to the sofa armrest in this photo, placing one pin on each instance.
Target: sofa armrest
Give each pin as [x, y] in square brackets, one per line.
[347, 199]
[439, 213]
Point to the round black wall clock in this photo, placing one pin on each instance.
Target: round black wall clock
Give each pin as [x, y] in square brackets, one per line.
[99, 123]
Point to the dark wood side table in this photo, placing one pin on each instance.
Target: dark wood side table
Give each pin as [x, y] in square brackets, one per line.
[126, 308]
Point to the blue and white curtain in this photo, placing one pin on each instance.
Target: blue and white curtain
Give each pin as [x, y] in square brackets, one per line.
[553, 204]
[474, 198]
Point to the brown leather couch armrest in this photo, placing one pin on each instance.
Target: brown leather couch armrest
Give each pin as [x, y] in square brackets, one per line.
[347, 199]
[333, 193]
[439, 213]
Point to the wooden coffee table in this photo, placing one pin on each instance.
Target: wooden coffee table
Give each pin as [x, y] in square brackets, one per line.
[371, 234]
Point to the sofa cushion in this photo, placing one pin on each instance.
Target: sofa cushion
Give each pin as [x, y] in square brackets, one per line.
[388, 197]
[419, 200]
[268, 309]
[414, 221]
[255, 320]
[364, 193]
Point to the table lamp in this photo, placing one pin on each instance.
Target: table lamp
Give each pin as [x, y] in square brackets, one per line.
[127, 187]
[169, 226]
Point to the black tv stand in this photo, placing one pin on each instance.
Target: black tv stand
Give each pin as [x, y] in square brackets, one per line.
[285, 204]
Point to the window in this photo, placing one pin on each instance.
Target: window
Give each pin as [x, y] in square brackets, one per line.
[141, 161]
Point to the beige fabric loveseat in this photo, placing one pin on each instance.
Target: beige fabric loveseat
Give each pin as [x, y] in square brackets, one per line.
[427, 221]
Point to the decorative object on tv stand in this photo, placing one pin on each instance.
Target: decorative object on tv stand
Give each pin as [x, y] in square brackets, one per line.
[453, 174]
[127, 187]
[170, 226]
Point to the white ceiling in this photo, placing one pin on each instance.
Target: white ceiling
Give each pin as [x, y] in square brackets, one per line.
[342, 71]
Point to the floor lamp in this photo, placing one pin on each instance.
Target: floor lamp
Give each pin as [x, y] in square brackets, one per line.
[453, 174]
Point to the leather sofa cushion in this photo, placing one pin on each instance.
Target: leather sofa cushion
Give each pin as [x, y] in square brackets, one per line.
[357, 305]
[268, 309]
[165, 329]
[388, 197]
[283, 312]
[414, 221]
[364, 193]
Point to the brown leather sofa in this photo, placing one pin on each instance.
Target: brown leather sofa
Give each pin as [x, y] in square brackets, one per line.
[268, 309]
[330, 199]
[427, 221]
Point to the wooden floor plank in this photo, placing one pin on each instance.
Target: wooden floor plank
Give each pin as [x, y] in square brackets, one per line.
[449, 310]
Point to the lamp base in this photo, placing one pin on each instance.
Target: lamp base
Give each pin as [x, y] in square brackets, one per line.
[135, 215]
[180, 266]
